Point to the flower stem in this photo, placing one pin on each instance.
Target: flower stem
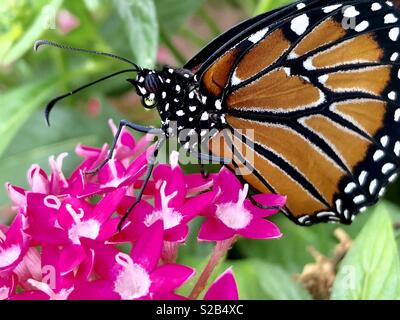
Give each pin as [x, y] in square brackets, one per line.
[220, 249]
[169, 252]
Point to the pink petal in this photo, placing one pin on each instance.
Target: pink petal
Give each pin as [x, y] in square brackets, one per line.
[108, 205]
[260, 229]
[16, 194]
[229, 186]
[223, 288]
[54, 236]
[86, 267]
[169, 277]
[112, 173]
[176, 234]
[42, 210]
[195, 183]
[71, 207]
[168, 296]
[57, 178]
[38, 179]
[30, 295]
[147, 250]
[214, 230]
[95, 290]
[197, 205]
[71, 257]
[175, 183]
[104, 258]
[266, 200]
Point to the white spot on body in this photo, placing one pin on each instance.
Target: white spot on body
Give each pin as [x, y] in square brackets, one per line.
[192, 108]
[204, 116]
[180, 113]
[218, 104]
[388, 167]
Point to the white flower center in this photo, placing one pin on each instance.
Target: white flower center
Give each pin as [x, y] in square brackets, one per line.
[170, 217]
[133, 281]
[4, 292]
[235, 215]
[9, 255]
[44, 287]
[89, 228]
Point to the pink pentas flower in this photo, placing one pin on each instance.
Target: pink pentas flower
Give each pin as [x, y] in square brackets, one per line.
[171, 205]
[233, 214]
[14, 243]
[137, 275]
[52, 221]
[66, 21]
[223, 288]
[64, 241]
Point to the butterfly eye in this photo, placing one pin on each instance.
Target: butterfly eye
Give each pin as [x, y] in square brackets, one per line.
[149, 103]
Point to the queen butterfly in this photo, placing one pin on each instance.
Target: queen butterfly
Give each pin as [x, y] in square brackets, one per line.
[315, 82]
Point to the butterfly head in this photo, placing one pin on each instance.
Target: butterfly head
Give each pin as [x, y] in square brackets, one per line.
[168, 90]
[148, 84]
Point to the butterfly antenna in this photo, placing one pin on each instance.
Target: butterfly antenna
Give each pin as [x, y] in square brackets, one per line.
[53, 102]
[40, 43]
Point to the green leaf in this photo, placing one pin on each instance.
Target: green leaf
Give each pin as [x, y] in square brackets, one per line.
[18, 105]
[257, 279]
[36, 142]
[291, 251]
[173, 13]
[371, 269]
[141, 26]
[44, 21]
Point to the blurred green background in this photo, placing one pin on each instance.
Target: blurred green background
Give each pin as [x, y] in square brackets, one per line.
[151, 33]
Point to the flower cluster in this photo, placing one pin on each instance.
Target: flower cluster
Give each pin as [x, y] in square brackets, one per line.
[63, 242]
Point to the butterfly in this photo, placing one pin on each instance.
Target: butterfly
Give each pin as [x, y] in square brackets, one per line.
[309, 92]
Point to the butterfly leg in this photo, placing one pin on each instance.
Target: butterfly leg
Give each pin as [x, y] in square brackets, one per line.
[122, 124]
[146, 179]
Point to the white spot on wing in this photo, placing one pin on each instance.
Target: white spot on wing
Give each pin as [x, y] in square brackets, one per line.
[362, 26]
[378, 155]
[387, 168]
[350, 187]
[373, 186]
[331, 8]
[300, 24]
[363, 177]
[394, 34]
[359, 199]
[256, 37]
[390, 18]
[350, 12]
[376, 6]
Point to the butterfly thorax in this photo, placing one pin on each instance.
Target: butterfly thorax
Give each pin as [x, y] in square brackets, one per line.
[183, 109]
